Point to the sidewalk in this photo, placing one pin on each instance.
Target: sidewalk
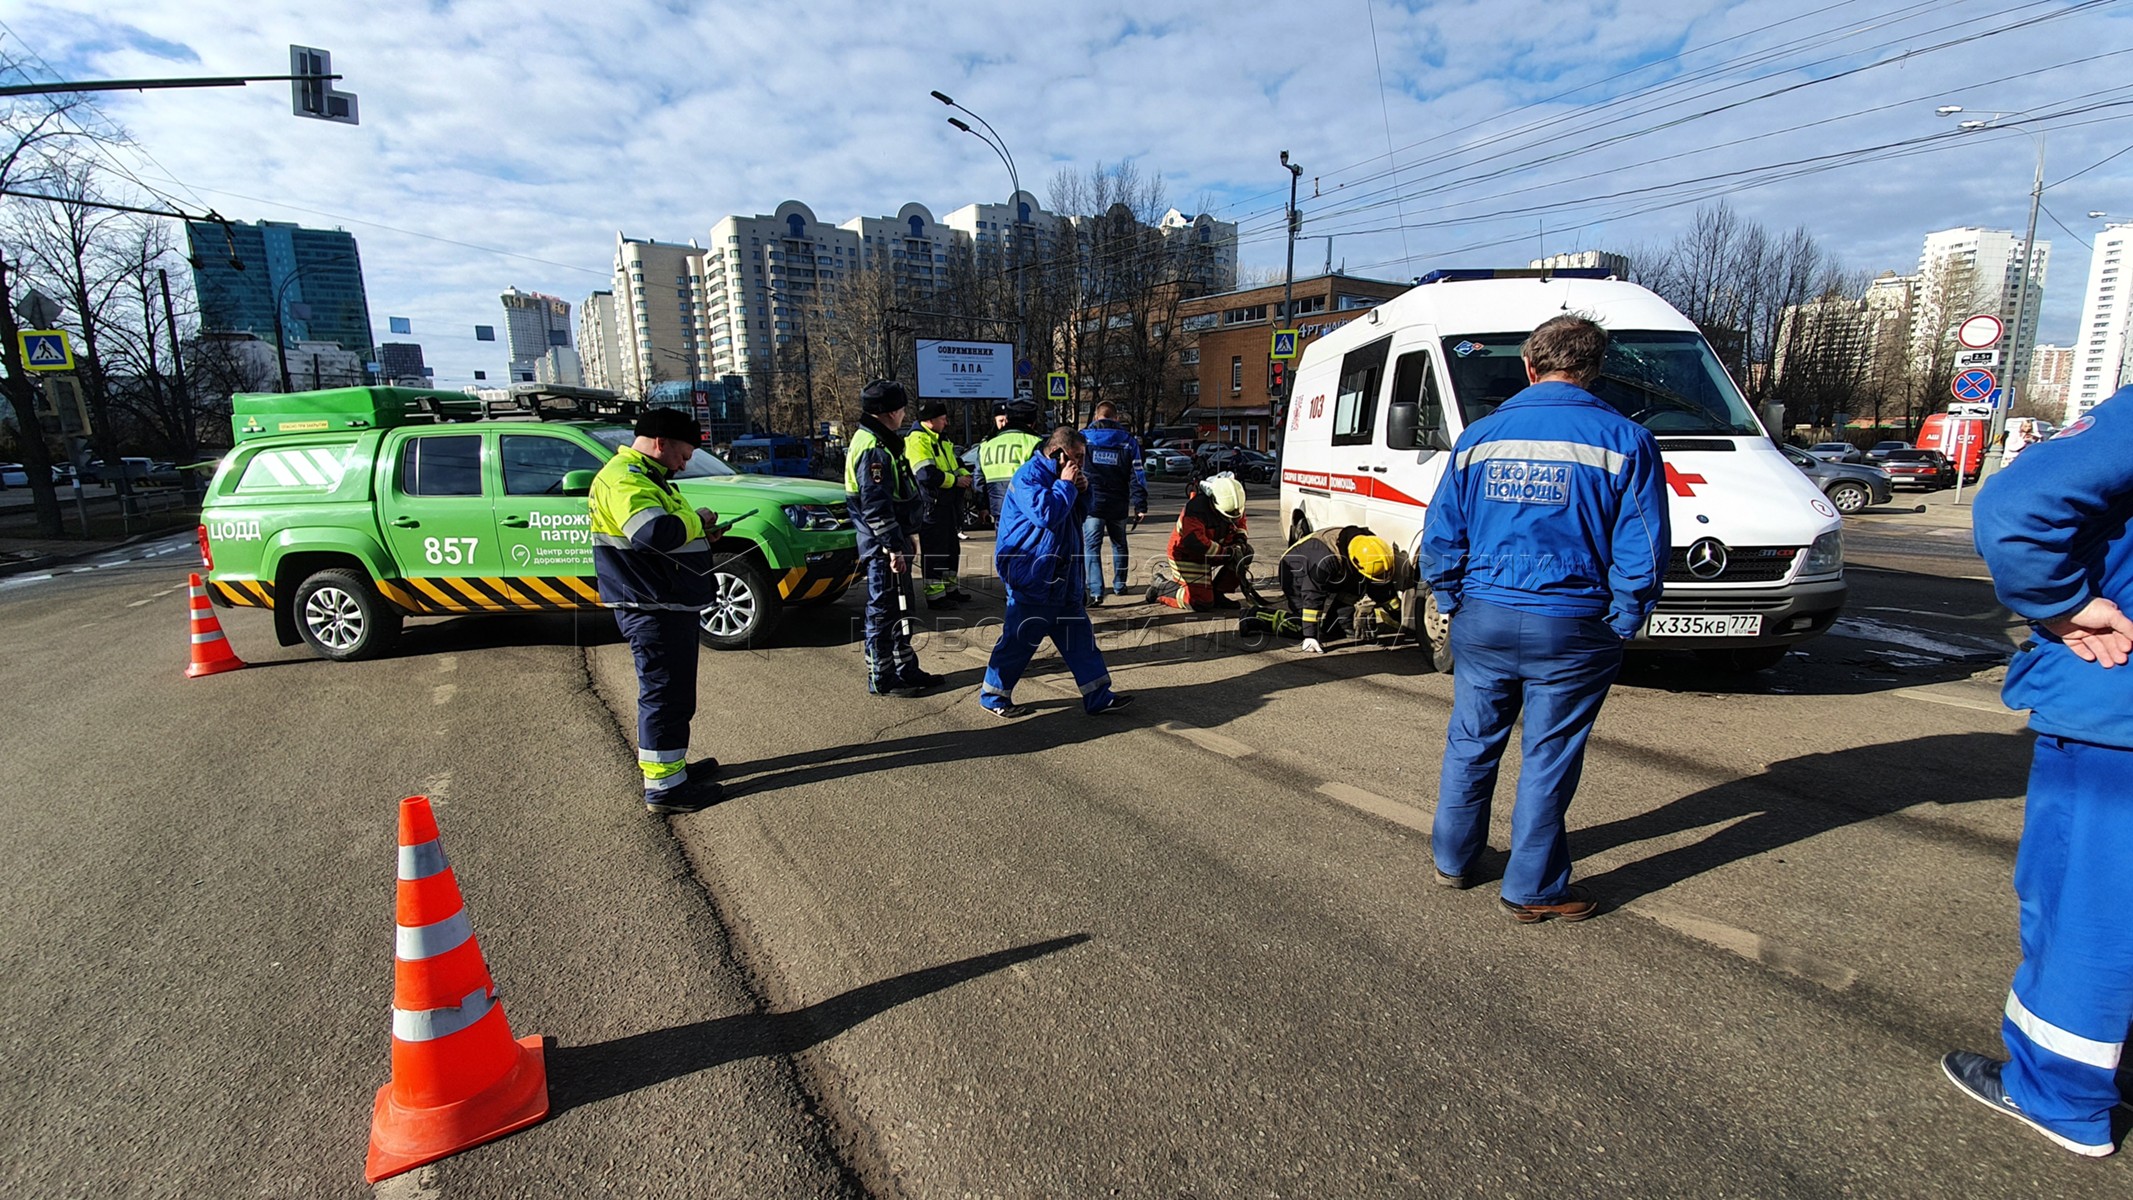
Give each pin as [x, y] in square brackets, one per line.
[22, 549]
[1940, 510]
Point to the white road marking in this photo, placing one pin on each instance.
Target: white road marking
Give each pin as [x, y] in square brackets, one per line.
[1751, 946]
[138, 603]
[437, 787]
[447, 664]
[1207, 739]
[1951, 645]
[443, 693]
[418, 1184]
[1376, 805]
[1953, 701]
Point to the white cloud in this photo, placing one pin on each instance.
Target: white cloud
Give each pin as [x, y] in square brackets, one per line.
[541, 129]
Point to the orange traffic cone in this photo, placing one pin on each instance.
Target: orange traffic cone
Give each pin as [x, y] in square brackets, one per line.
[211, 650]
[458, 1078]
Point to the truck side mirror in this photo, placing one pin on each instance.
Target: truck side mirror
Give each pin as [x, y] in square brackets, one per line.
[577, 483]
[1439, 438]
[1400, 427]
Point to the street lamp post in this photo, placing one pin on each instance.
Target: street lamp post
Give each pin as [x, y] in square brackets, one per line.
[1014, 208]
[1288, 281]
[1998, 429]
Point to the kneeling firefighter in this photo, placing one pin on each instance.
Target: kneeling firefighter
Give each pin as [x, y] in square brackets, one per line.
[1208, 554]
[1344, 579]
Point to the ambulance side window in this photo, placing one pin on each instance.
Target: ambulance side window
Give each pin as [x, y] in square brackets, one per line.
[1355, 398]
[1416, 420]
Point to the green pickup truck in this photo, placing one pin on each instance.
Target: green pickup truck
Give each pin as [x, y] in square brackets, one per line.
[345, 510]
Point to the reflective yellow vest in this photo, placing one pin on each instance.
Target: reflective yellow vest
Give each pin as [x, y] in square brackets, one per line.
[1004, 453]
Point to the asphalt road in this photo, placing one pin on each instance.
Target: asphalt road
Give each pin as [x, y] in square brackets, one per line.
[1192, 948]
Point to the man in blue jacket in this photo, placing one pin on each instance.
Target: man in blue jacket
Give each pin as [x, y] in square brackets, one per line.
[1117, 489]
[1548, 540]
[1038, 556]
[2052, 527]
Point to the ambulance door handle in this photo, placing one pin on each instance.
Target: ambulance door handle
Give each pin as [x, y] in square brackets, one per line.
[406, 523]
[513, 522]
[1379, 470]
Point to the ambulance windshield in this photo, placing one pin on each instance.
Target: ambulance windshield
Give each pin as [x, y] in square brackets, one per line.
[1668, 381]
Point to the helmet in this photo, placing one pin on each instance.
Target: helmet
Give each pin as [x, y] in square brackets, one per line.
[1226, 492]
[1372, 556]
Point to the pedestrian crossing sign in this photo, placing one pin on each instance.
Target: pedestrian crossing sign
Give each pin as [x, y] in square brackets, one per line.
[45, 350]
[1284, 347]
[1055, 385]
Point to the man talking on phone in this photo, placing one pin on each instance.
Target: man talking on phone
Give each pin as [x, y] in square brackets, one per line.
[1039, 557]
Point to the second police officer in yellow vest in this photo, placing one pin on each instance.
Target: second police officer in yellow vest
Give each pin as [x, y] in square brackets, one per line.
[1003, 454]
[943, 487]
[884, 501]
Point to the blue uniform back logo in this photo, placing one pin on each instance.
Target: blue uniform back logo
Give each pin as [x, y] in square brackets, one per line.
[1511, 481]
[1104, 458]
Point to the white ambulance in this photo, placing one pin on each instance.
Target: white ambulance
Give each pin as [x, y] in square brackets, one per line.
[1758, 559]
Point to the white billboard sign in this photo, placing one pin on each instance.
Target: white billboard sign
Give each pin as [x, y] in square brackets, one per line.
[965, 370]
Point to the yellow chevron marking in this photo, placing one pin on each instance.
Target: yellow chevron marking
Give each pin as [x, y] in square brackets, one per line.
[266, 599]
[821, 586]
[398, 596]
[510, 593]
[792, 580]
[436, 598]
[474, 595]
[583, 587]
[546, 591]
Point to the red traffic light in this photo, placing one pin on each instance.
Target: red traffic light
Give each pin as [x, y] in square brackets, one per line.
[1277, 376]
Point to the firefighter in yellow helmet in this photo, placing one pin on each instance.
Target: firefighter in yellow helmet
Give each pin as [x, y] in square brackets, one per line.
[1340, 580]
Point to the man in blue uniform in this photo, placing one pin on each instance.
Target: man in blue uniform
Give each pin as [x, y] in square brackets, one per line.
[652, 564]
[2052, 527]
[883, 499]
[1548, 538]
[1039, 559]
[1117, 489]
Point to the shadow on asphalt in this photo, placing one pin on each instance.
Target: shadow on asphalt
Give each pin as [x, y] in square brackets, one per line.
[1801, 798]
[582, 1075]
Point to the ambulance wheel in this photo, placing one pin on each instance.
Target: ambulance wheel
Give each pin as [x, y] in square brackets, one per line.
[1299, 529]
[1436, 635]
[342, 617]
[744, 608]
[1849, 497]
[1745, 660]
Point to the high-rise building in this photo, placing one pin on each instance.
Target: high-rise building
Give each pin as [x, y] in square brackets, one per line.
[2051, 370]
[1963, 272]
[533, 322]
[600, 343]
[658, 306]
[401, 363]
[560, 366]
[2100, 341]
[274, 279]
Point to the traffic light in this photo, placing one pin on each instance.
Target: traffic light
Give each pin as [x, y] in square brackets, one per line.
[1277, 377]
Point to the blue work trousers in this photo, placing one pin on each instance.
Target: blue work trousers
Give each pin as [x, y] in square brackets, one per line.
[1557, 669]
[2072, 999]
[1025, 628]
[663, 641]
[890, 659]
[1093, 532]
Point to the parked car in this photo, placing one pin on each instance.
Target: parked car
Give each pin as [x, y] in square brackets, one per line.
[13, 475]
[1251, 466]
[1850, 487]
[1843, 452]
[1928, 469]
[1880, 450]
[1167, 462]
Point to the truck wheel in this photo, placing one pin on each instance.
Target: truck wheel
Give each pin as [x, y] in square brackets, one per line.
[744, 608]
[1299, 529]
[1849, 497]
[1745, 660]
[343, 617]
[1436, 635]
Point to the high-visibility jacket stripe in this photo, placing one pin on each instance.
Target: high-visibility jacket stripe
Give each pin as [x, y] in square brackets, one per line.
[1545, 450]
[661, 756]
[2062, 1042]
[423, 861]
[427, 1025]
[412, 943]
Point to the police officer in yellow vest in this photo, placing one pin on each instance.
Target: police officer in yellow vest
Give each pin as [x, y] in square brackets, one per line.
[942, 486]
[1003, 454]
[652, 564]
[883, 499]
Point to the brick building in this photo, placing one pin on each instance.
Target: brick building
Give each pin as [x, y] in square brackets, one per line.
[1226, 361]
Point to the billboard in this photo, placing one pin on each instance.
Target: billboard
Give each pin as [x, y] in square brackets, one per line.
[965, 370]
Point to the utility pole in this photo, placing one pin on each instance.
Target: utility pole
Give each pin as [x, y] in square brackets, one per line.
[1997, 431]
[1279, 404]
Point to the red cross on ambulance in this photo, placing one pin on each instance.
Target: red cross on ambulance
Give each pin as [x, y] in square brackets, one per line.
[1683, 485]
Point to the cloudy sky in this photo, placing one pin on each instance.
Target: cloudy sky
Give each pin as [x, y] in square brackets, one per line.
[505, 144]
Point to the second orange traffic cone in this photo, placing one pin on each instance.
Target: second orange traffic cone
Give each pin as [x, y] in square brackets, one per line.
[458, 1077]
[211, 649]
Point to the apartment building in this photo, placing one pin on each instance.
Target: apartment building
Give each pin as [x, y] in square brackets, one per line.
[600, 343]
[1966, 271]
[2051, 375]
[533, 322]
[2100, 341]
[659, 314]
